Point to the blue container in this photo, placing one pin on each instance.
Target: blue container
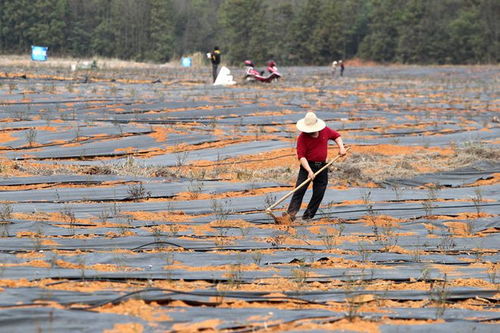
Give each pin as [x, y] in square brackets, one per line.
[186, 62]
[39, 53]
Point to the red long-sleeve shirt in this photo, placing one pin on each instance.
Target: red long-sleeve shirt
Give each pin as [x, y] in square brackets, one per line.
[315, 149]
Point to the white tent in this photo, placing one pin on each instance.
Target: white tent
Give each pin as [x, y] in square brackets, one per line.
[224, 77]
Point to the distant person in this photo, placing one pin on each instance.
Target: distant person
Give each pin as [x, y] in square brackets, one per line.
[250, 72]
[271, 66]
[215, 59]
[312, 151]
[334, 67]
[342, 67]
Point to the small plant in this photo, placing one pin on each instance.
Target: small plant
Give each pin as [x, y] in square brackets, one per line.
[258, 130]
[363, 251]
[6, 212]
[124, 228]
[477, 199]
[37, 242]
[195, 187]
[439, 294]
[119, 260]
[329, 237]
[234, 276]
[221, 210]
[300, 274]
[115, 209]
[492, 274]
[351, 289]
[68, 215]
[257, 257]
[222, 239]
[181, 158]
[169, 259]
[138, 191]
[269, 200]
[397, 190]
[366, 198]
[104, 215]
[173, 230]
[425, 272]
[416, 252]
[81, 263]
[156, 233]
[447, 243]
[428, 207]
[429, 203]
[31, 136]
[77, 133]
[478, 254]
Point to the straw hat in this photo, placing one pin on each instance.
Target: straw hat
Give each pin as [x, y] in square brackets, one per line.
[310, 123]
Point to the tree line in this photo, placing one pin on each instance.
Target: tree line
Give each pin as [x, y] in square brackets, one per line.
[292, 32]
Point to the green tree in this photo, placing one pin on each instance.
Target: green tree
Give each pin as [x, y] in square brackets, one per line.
[103, 37]
[239, 19]
[328, 36]
[466, 37]
[278, 45]
[380, 43]
[489, 10]
[196, 27]
[162, 28]
[49, 28]
[302, 48]
[354, 22]
[17, 16]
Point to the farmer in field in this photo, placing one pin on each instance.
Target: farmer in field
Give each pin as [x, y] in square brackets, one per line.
[215, 59]
[312, 151]
[334, 68]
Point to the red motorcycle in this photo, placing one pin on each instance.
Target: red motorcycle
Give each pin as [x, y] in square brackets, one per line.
[252, 74]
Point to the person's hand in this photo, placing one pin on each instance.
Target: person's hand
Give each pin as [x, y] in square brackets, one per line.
[342, 151]
[311, 175]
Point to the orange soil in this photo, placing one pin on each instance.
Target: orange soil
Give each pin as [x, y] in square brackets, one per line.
[183, 196]
[495, 179]
[138, 308]
[460, 229]
[160, 216]
[43, 186]
[345, 263]
[160, 134]
[208, 325]
[356, 325]
[6, 137]
[381, 221]
[387, 149]
[462, 216]
[126, 328]
[97, 267]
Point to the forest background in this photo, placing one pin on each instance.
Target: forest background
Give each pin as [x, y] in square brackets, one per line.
[292, 32]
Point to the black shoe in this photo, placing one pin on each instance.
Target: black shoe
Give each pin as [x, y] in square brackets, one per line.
[306, 218]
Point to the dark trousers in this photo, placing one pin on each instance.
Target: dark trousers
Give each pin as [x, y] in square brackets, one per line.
[319, 187]
[214, 70]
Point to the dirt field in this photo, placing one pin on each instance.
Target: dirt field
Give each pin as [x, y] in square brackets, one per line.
[132, 200]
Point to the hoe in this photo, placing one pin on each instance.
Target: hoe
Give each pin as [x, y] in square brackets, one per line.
[286, 219]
